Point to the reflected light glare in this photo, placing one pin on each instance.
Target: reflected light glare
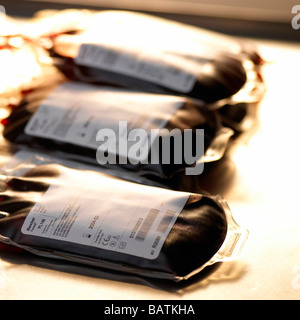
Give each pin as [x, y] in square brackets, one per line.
[3, 113]
[18, 67]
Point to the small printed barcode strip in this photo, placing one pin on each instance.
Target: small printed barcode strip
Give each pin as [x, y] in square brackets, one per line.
[147, 224]
[165, 222]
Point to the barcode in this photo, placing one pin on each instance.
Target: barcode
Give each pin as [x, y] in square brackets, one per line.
[166, 220]
[147, 224]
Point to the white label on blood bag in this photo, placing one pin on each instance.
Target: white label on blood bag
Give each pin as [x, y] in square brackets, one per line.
[75, 112]
[106, 213]
[171, 71]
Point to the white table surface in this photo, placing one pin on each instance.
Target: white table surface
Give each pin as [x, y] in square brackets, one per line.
[264, 199]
